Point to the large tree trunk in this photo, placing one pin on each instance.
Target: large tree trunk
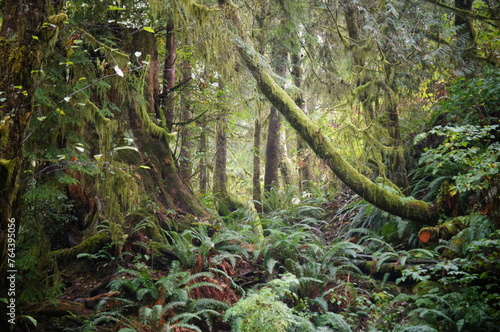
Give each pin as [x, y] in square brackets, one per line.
[23, 42]
[404, 207]
[163, 177]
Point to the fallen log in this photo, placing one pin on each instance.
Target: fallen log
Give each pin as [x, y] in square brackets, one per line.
[90, 245]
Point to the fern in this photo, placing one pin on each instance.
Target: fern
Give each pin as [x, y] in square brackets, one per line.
[336, 321]
[417, 328]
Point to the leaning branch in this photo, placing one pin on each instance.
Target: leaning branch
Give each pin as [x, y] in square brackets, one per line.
[404, 207]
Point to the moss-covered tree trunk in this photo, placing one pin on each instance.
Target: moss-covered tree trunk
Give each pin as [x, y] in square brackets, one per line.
[273, 130]
[404, 207]
[23, 42]
[219, 189]
[163, 177]
[169, 74]
[303, 156]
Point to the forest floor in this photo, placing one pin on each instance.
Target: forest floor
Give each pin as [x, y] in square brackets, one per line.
[87, 284]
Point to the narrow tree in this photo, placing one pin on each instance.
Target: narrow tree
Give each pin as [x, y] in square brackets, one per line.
[256, 185]
[219, 189]
[169, 74]
[303, 156]
[185, 158]
[273, 130]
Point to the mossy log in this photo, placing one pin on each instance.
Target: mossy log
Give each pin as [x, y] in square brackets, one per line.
[404, 207]
[90, 245]
[444, 231]
[58, 308]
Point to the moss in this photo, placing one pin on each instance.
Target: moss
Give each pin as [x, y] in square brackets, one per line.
[7, 168]
[90, 245]
[58, 19]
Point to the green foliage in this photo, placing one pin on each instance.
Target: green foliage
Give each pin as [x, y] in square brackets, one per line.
[467, 309]
[266, 310]
[175, 290]
[468, 155]
[260, 311]
[473, 101]
[213, 246]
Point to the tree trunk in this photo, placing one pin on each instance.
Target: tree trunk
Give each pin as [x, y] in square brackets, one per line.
[257, 190]
[23, 42]
[185, 161]
[169, 74]
[202, 163]
[153, 145]
[219, 188]
[272, 151]
[303, 156]
[408, 208]
[285, 164]
[273, 130]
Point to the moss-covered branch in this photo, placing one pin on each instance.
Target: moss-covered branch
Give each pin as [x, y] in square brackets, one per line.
[404, 207]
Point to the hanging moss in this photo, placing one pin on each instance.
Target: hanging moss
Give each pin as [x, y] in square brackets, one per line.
[7, 171]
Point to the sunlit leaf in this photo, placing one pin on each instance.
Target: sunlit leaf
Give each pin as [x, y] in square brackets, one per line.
[115, 8]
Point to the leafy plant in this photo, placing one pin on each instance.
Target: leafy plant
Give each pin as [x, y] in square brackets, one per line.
[467, 155]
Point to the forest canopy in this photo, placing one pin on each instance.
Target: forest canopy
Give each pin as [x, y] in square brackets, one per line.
[199, 165]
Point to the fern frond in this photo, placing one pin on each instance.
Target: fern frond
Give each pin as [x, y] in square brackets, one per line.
[204, 284]
[210, 303]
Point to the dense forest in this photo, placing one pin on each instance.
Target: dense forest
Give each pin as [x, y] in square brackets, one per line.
[258, 166]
